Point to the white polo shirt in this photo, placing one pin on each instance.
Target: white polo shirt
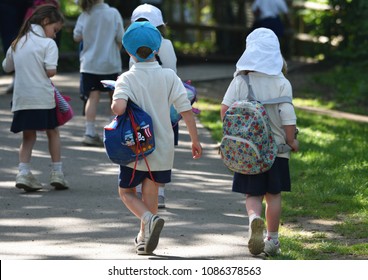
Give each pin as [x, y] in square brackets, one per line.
[270, 8]
[155, 89]
[101, 30]
[34, 54]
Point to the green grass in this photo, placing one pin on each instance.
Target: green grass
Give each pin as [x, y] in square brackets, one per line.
[329, 183]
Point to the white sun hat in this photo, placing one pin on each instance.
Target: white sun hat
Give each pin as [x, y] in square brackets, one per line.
[262, 53]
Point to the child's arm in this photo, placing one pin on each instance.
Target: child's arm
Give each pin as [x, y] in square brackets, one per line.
[223, 110]
[118, 106]
[290, 131]
[192, 129]
[51, 72]
[8, 63]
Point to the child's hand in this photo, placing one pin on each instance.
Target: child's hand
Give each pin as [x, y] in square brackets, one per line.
[294, 145]
[196, 150]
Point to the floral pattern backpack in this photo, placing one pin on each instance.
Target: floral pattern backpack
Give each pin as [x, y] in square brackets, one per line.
[248, 145]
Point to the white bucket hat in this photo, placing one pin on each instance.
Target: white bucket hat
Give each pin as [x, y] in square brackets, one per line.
[262, 53]
[150, 13]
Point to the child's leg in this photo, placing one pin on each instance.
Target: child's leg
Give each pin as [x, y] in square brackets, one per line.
[57, 178]
[25, 150]
[53, 136]
[25, 179]
[140, 207]
[145, 210]
[91, 137]
[256, 224]
[91, 106]
[91, 112]
[253, 205]
[273, 211]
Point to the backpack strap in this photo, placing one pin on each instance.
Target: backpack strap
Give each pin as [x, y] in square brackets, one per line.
[251, 96]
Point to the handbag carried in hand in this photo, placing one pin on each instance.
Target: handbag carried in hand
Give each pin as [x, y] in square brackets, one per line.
[64, 111]
[129, 137]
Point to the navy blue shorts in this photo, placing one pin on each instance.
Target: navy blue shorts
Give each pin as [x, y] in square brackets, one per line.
[162, 177]
[273, 181]
[38, 119]
[91, 82]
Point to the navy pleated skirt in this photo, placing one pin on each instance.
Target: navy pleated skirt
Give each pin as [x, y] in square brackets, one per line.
[37, 119]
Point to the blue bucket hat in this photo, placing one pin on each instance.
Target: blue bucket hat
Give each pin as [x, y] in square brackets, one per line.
[142, 34]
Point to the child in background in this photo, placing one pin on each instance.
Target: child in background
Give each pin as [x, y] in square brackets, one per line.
[100, 28]
[33, 56]
[267, 14]
[166, 58]
[263, 62]
[154, 89]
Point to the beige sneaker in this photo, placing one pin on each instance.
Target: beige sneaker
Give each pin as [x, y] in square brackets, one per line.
[94, 141]
[58, 181]
[27, 182]
[256, 242]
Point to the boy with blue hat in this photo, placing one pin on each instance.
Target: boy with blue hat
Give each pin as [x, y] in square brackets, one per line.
[154, 89]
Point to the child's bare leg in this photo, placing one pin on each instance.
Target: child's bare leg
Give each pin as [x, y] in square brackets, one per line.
[256, 224]
[53, 136]
[273, 211]
[25, 150]
[139, 207]
[253, 205]
[91, 105]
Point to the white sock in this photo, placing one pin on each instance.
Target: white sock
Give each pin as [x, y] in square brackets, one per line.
[24, 168]
[274, 236]
[146, 217]
[138, 188]
[252, 217]
[57, 166]
[90, 129]
[161, 190]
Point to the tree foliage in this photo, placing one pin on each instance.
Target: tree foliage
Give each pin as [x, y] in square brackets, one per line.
[348, 20]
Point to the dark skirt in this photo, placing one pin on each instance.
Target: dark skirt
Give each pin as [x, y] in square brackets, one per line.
[37, 119]
[273, 181]
[126, 173]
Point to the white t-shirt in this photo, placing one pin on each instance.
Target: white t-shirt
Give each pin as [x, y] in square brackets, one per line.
[155, 89]
[34, 54]
[270, 8]
[167, 55]
[101, 30]
[266, 87]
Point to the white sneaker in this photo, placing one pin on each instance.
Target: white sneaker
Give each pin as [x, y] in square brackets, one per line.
[256, 242]
[58, 181]
[271, 247]
[94, 141]
[161, 202]
[152, 232]
[27, 182]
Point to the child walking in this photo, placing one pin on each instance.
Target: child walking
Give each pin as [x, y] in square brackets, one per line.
[263, 63]
[166, 58]
[154, 89]
[33, 56]
[99, 29]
